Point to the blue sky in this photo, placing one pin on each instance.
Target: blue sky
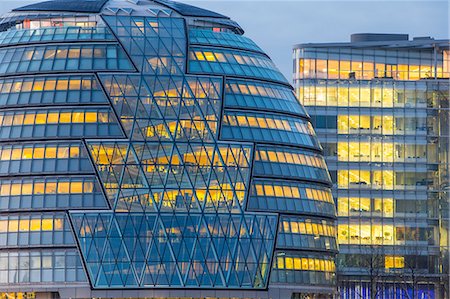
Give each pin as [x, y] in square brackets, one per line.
[277, 25]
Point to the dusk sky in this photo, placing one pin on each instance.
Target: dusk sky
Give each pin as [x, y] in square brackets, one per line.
[277, 25]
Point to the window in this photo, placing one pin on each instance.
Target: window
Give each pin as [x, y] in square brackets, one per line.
[241, 63]
[255, 125]
[47, 117]
[267, 96]
[287, 261]
[55, 58]
[391, 262]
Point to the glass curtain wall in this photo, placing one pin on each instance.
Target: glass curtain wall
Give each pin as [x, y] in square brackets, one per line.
[382, 117]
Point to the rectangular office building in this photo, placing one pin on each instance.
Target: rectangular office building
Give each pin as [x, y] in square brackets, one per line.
[380, 107]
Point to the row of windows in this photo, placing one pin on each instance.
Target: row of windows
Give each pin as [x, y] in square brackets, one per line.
[50, 193]
[291, 190]
[26, 223]
[424, 264]
[308, 278]
[380, 54]
[39, 160]
[386, 125]
[39, 151]
[295, 225]
[362, 94]
[288, 156]
[395, 152]
[59, 58]
[220, 61]
[289, 163]
[365, 233]
[54, 34]
[309, 242]
[285, 261]
[268, 122]
[35, 230]
[279, 196]
[386, 207]
[294, 268]
[385, 152]
[74, 186]
[40, 266]
[261, 95]
[50, 90]
[58, 123]
[346, 69]
[224, 39]
[59, 21]
[268, 127]
[31, 84]
[355, 205]
[384, 179]
[34, 117]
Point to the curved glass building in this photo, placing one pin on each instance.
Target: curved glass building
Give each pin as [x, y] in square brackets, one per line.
[148, 149]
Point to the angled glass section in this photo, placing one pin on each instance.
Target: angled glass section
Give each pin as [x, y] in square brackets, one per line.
[63, 58]
[180, 250]
[31, 123]
[222, 39]
[51, 193]
[219, 61]
[120, 171]
[173, 177]
[50, 90]
[267, 127]
[247, 94]
[290, 163]
[39, 158]
[290, 197]
[163, 108]
[157, 46]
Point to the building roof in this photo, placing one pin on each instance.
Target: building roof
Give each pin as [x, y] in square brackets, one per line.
[189, 10]
[382, 41]
[87, 6]
[95, 6]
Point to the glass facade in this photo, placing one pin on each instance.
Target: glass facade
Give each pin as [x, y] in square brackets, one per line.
[381, 113]
[148, 149]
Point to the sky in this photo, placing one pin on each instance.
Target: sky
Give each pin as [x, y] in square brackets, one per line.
[278, 25]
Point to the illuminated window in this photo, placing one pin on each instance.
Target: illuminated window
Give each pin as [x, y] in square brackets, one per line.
[299, 226]
[353, 178]
[297, 263]
[274, 122]
[39, 152]
[41, 118]
[333, 69]
[289, 157]
[391, 262]
[385, 206]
